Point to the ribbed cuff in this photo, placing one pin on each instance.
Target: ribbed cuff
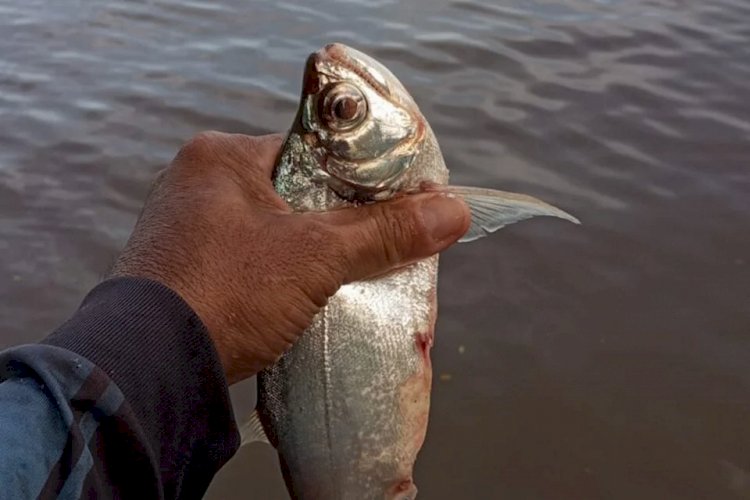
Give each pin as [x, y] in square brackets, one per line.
[158, 352]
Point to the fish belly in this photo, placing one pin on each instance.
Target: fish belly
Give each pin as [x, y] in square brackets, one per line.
[347, 406]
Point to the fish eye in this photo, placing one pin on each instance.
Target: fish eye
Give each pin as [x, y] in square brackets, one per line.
[344, 107]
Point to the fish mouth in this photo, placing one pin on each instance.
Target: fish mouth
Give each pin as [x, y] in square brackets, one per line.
[310, 81]
[331, 54]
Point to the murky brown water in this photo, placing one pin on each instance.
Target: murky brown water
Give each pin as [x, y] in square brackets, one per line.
[607, 361]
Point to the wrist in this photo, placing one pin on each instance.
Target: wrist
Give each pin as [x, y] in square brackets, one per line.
[143, 268]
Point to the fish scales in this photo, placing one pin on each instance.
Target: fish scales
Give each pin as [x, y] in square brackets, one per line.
[360, 375]
[347, 406]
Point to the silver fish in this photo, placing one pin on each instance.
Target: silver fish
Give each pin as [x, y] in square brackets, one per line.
[347, 406]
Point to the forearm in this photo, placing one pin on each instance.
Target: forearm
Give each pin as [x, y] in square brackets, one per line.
[126, 399]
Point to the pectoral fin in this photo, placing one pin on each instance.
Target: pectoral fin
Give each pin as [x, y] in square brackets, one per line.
[252, 430]
[492, 209]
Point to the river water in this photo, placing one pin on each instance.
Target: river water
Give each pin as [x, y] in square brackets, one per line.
[606, 361]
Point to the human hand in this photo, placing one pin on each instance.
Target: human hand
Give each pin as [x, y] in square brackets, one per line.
[214, 230]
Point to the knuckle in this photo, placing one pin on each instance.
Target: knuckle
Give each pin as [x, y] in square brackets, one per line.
[159, 178]
[156, 190]
[335, 243]
[199, 146]
[395, 230]
[205, 138]
[323, 255]
[337, 260]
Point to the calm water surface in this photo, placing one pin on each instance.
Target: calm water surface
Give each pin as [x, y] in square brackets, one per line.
[607, 361]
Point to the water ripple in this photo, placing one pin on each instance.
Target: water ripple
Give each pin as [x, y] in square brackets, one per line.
[616, 342]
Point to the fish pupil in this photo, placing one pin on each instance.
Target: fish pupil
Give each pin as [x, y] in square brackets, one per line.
[342, 107]
[345, 108]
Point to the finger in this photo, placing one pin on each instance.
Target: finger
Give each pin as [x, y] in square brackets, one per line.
[257, 154]
[194, 153]
[253, 162]
[265, 150]
[383, 236]
[248, 160]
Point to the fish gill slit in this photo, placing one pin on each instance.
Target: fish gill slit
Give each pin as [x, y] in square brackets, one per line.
[328, 409]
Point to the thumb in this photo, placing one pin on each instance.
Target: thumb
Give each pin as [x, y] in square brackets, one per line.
[386, 235]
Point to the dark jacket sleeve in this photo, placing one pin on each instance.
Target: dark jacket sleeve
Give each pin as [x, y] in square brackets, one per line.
[125, 400]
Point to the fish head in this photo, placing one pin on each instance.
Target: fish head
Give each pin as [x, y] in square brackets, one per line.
[362, 125]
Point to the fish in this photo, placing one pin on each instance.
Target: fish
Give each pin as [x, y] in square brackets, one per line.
[347, 406]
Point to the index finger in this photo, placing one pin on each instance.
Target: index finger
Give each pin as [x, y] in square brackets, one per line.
[262, 151]
[252, 159]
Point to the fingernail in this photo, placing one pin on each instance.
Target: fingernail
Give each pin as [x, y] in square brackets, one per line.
[444, 217]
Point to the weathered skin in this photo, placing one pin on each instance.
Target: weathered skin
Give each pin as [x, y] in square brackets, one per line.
[347, 406]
